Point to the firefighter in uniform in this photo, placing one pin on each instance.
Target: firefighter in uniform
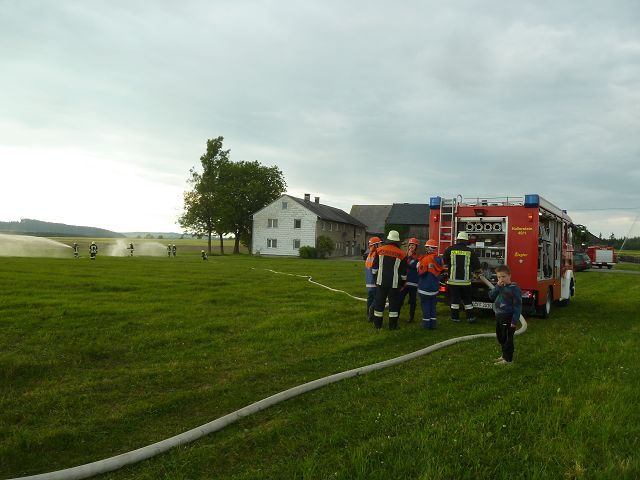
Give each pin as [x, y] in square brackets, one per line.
[461, 261]
[76, 252]
[411, 287]
[173, 250]
[131, 249]
[169, 250]
[429, 269]
[390, 270]
[204, 255]
[369, 278]
[93, 250]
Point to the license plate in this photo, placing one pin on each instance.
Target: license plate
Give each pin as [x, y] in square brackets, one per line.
[482, 305]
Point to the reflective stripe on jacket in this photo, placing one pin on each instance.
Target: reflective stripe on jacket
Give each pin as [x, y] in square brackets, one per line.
[389, 266]
[462, 261]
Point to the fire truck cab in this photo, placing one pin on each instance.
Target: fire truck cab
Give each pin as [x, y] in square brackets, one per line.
[530, 234]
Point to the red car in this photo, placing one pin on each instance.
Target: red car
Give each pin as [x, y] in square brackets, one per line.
[581, 261]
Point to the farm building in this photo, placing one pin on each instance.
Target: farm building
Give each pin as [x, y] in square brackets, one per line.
[410, 219]
[373, 216]
[288, 223]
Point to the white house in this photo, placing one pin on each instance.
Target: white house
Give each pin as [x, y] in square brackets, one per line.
[288, 223]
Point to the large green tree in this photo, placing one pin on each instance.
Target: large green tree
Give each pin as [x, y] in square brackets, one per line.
[246, 187]
[202, 204]
[226, 194]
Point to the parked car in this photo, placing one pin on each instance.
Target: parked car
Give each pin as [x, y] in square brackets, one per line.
[581, 261]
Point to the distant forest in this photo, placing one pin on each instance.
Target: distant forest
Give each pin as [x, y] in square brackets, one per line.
[632, 243]
[39, 228]
[586, 238]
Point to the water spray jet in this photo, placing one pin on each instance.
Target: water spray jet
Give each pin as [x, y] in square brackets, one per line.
[29, 246]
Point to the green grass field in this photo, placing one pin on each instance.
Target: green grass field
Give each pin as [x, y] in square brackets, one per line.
[101, 357]
[635, 254]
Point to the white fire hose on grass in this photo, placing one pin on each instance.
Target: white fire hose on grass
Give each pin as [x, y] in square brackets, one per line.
[113, 463]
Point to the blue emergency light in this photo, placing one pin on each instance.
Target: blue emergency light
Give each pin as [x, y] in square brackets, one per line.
[532, 200]
[434, 202]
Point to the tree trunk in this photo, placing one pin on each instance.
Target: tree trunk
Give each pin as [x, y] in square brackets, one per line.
[209, 242]
[236, 247]
[221, 245]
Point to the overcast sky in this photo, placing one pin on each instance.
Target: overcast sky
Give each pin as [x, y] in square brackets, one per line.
[105, 106]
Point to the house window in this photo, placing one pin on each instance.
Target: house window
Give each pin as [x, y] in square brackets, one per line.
[284, 205]
[297, 223]
[296, 243]
[272, 243]
[272, 223]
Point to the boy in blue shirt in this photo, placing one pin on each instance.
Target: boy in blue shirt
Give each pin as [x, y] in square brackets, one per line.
[507, 305]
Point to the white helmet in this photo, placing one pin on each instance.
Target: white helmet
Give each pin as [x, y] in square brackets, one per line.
[393, 236]
[463, 236]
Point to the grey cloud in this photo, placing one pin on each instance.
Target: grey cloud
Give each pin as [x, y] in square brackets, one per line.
[381, 102]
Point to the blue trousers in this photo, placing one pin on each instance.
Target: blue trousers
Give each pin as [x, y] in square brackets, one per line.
[428, 304]
[371, 296]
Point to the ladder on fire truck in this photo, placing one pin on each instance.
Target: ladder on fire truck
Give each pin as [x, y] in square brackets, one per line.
[447, 226]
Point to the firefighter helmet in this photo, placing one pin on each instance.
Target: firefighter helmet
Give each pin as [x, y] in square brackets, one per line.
[374, 241]
[413, 241]
[462, 236]
[393, 236]
[431, 244]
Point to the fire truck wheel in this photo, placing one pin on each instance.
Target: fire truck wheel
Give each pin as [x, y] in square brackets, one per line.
[545, 310]
[572, 292]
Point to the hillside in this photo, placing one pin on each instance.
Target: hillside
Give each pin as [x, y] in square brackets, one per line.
[27, 226]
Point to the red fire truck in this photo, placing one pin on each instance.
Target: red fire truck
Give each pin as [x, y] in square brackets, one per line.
[529, 233]
[601, 256]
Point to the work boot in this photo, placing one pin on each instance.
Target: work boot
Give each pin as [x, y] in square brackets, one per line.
[471, 320]
[377, 322]
[433, 323]
[426, 324]
[393, 323]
